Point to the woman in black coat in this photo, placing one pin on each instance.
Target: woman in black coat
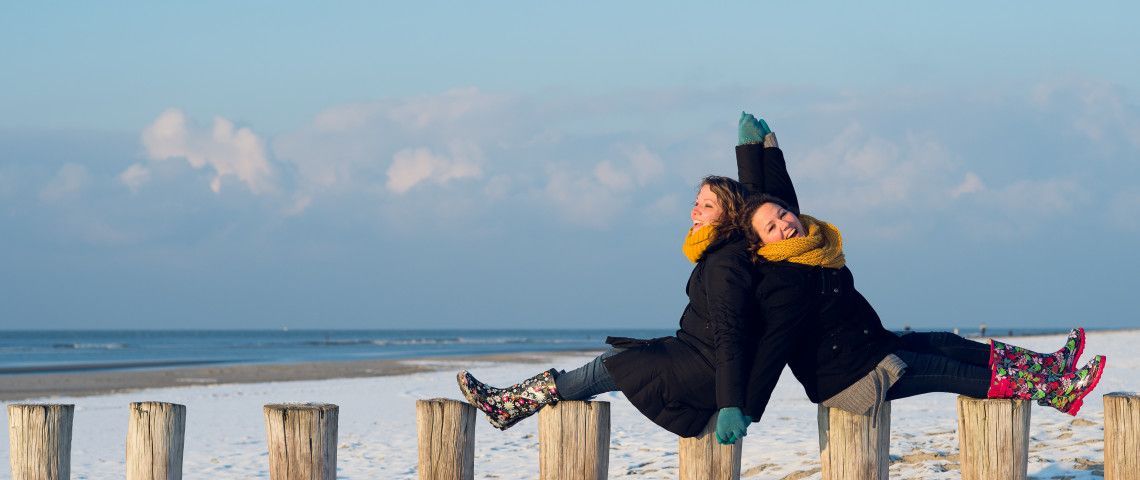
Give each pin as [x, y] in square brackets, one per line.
[679, 381]
[827, 332]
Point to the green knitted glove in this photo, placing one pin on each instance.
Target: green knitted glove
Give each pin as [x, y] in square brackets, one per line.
[752, 130]
[731, 425]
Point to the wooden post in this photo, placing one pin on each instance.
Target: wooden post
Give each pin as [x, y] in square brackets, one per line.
[574, 441]
[702, 458]
[39, 441]
[1122, 436]
[446, 431]
[993, 438]
[302, 441]
[854, 446]
[155, 437]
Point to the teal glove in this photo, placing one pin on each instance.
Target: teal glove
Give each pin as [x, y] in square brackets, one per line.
[752, 130]
[731, 425]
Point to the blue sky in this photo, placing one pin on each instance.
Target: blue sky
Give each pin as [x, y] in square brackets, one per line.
[363, 165]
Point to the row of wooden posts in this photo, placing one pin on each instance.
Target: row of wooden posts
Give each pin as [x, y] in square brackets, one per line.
[573, 439]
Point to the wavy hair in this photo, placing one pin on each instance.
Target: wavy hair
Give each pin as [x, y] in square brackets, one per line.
[744, 221]
[730, 195]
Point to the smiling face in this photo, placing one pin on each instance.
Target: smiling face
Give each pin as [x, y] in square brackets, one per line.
[706, 209]
[773, 223]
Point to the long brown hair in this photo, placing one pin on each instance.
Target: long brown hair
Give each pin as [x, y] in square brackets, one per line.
[730, 194]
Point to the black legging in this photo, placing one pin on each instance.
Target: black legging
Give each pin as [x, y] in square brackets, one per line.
[942, 362]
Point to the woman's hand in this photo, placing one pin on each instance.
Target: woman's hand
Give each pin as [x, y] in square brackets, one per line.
[752, 130]
[731, 425]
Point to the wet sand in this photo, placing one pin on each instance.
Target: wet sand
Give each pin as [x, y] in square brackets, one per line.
[26, 386]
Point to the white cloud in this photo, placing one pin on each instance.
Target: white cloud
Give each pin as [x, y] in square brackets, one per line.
[1099, 110]
[641, 167]
[226, 150]
[611, 177]
[851, 154]
[646, 165]
[971, 184]
[135, 176]
[1040, 198]
[598, 197]
[411, 167]
[860, 172]
[68, 181]
[583, 200]
[452, 105]
[299, 205]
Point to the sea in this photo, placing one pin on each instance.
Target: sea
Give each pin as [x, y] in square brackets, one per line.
[60, 351]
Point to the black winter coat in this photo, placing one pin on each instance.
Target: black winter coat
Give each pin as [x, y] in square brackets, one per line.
[818, 324]
[679, 382]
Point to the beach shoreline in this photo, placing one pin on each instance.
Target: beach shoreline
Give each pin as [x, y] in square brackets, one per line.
[24, 386]
[80, 382]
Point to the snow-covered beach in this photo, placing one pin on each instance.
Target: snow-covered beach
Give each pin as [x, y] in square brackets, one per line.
[377, 436]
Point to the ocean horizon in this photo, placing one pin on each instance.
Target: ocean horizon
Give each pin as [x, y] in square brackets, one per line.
[60, 351]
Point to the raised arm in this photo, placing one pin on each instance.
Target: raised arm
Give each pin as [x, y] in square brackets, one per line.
[760, 165]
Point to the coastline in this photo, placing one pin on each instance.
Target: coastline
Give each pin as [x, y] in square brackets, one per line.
[23, 386]
[17, 384]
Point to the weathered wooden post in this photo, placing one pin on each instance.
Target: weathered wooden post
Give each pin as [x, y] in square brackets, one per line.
[155, 437]
[1122, 436]
[39, 441]
[302, 441]
[446, 431]
[993, 438]
[574, 441]
[854, 446]
[702, 458]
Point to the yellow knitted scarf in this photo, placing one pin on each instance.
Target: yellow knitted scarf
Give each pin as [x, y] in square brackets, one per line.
[696, 241]
[821, 247]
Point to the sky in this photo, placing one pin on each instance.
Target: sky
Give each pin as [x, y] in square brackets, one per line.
[431, 165]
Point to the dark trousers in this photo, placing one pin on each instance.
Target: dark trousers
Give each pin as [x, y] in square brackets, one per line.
[584, 382]
[942, 362]
[936, 362]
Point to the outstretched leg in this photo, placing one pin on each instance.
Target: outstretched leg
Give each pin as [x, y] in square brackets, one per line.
[948, 345]
[978, 353]
[507, 406]
[591, 379]
[927, 373]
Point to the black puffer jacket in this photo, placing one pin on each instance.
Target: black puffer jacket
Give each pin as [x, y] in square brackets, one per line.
[833, 335]
[679, 382]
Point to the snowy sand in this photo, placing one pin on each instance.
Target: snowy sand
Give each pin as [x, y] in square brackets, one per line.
[226, 439]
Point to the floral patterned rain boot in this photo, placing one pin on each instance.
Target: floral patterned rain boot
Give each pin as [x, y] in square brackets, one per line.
[1057, 363]
[1061, 361]
[1067, 393]
[1019, 373]
[507, 406]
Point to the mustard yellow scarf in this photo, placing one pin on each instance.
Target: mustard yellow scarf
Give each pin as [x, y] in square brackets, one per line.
[821, 247]
[696, 241]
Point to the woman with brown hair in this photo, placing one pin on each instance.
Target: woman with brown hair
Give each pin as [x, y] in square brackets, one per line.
[818, 324]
